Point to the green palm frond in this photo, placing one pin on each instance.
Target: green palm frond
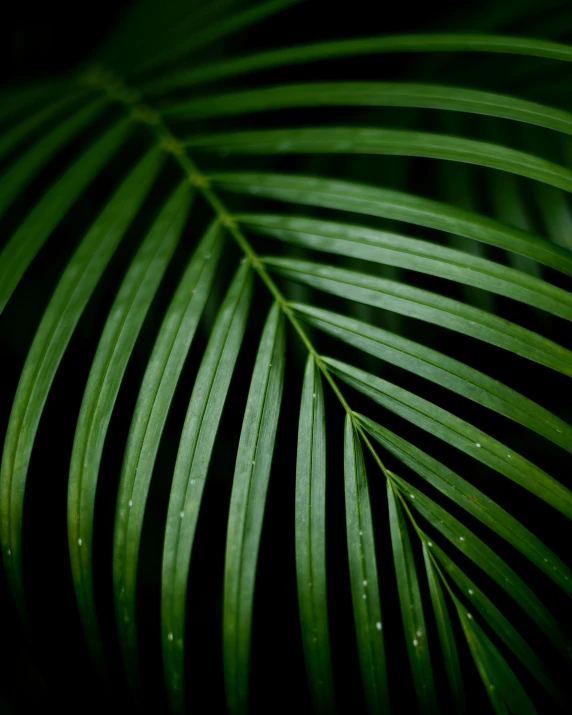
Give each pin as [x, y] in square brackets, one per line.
[385, 347]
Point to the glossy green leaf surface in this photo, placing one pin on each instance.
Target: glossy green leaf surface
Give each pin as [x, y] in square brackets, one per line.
[311, 540]
[363, 575]
[155, 396]
[250, 484]
[115, 347]
[195, 450]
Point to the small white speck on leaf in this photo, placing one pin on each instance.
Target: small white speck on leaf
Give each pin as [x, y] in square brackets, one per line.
[415, 642]
[170, 636]
[182, 514]
[471, 592]
[461, 538]
[365, 583]
[130, 503]
[80, 542]
[469, 617]
[361, 533]
[364, 596]
[419, 634]
[429, 543]
[378, 625]
[412, 496]
[477, 444]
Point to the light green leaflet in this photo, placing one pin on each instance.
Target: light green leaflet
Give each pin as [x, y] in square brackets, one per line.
[458, 433]
[25, 128]
[32, 233]
[424, 305]
[473, 501]
[360, 140]
[363, 575]
[411, 604]
[486, 559]
[25, 166]
[227, 25]
[502, 686]
[155, 396]
[246, 513]
[310, 520]
[494, 618]
[398, 206]
[114, 350]
[446, 637]
[439, 368]
[72, 293]
[373, 94]
[398, 250]
[195, 449]
[360, 46]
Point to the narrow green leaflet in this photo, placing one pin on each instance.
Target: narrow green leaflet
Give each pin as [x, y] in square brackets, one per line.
[411, 603]
[12, 138]
[398, 250]
[361, 140]
[446, 637]
[363, 576]
[439, 368]
[157, 389]
[114, 350]
[490, 614]
[246, 513]
[32, 233]
[52, 337]
[486, 559]
[473, 501]
[25, 166]
[311, 540]
[227, 25]
[195, 449]
[373, 94]
[301, 54]
[457, 433]
[398, 206]
[501, 683]
[424, 305]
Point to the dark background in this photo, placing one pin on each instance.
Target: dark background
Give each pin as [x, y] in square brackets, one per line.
[39, 39]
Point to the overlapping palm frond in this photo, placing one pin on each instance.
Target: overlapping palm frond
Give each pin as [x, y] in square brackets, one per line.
[312, 246]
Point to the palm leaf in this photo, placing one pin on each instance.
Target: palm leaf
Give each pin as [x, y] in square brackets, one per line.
[101, 135]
